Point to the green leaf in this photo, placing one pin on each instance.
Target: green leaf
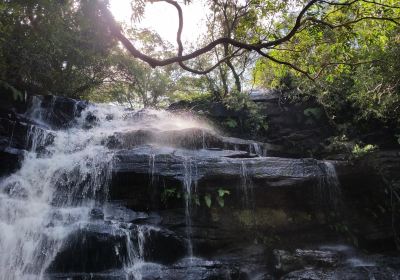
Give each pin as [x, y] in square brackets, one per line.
[207, 200]
[221, 201]
[222, 192]
[313, 112]
[231, 123]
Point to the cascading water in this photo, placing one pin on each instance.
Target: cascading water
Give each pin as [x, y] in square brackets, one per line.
[48, 197]
[328, 190]
[152, 162]
[12, 134]
[246, 187]
[188, 185]
[55, 190]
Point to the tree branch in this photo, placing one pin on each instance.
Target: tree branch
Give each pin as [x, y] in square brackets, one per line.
[180, 58]
[117, 32]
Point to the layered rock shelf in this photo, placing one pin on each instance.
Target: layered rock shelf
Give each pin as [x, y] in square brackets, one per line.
[100, 192]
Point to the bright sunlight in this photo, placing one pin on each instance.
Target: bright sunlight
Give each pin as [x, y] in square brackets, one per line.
[162, 18]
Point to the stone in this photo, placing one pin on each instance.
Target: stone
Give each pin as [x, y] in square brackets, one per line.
[190, 138]
[56, 112]
[91, 248]
[344, 273]
[286, 262]
[10, 160]
[159, 245]
[96, 214]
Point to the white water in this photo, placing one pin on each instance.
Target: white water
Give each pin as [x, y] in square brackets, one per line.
[189, 187]
[328, 188]
[53, 192]
[246, 187]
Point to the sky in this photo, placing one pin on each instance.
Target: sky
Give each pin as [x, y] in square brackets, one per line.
[163, 18]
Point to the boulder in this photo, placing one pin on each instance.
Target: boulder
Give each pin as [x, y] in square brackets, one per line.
[10, 160]
[91, 248]
[159, 245]
[24, 136]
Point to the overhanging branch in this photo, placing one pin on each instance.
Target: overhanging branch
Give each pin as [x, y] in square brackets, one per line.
[180, 58]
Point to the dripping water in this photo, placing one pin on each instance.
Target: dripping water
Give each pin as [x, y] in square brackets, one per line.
[152, 161]
[188, 190]
[257, 149]
[203, 138]
[12, 134]
[328, 190]
[246, 187]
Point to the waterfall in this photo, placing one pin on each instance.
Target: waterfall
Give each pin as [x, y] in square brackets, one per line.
[48, 198]
[246, 187]
[203, 139]
[63, 178]
[152, 162]
[188, 196]
[12, 134]
[328, 190]
[37, 111]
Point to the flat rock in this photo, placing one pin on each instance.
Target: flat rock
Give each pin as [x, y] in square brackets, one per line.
[171, 162]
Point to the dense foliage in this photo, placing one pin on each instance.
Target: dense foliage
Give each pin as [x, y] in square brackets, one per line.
[53, 47]
[355, 67]
[345, 55]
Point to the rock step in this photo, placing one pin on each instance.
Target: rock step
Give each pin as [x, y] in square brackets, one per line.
[171, 162]
[105, 245]
[189, 138]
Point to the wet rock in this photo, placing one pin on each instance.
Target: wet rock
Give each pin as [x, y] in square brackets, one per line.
[24, 136]
[90, 120]
[96, 214]
[344, 273]
[108, 275]
[286, 261]
[366, 187]
[170, 162]
[122, 214]
[15, 190]
[92, 248]
[298, 129]
[55, 111]
[190, 138]
[193, 269]
[10, 160]
[159, 245]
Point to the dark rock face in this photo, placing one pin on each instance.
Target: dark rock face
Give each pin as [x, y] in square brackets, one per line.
[294, 129]
[24, 136]
[24, 126]
[160, 245]
[93, 248]
[101, 246]
[334, 262]
[299, 127]
[170, 163]
[287, 262]
[347, 273]
[191, 138]
[55, 111]
[10, 160]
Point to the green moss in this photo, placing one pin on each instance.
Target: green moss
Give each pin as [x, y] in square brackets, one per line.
[272, 218]
[262, 217]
